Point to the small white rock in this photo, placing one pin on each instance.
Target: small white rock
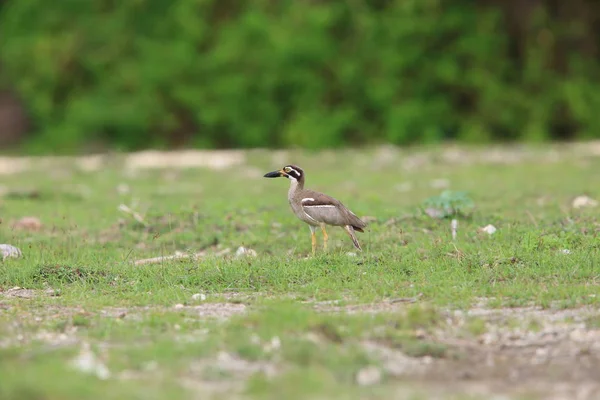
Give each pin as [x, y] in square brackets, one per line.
[273, 345]
[489, 229]
[255, 339]
[243, 251]
[178, 306]
[6, 251]
[404, 187]
[150, 366]
[440, 183]
[123, 188]
[87, 362]
[454, 228]
[584, 201]
[199, 296]
[368, 376]
[565, 251]
[351, 254]
[224, 357]
[435, 212]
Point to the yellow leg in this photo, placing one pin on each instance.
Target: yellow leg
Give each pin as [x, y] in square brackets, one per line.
[313, 237]
[325, 237]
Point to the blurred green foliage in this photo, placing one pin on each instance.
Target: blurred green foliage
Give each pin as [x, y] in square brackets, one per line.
[314, 73]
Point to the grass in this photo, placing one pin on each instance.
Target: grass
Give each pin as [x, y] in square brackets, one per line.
[86, 248]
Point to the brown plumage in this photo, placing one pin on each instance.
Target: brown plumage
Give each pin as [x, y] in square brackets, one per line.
[317, 209]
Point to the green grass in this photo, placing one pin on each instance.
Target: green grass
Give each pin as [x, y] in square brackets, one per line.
[87, 246]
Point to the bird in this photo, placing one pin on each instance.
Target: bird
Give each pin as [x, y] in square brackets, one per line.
[317, 209]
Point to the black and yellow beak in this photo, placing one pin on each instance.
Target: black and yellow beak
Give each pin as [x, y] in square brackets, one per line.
[275, 174]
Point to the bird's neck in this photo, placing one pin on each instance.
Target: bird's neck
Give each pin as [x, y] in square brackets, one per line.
[294, 187]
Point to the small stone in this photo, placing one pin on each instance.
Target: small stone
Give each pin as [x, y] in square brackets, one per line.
[273, 345]
[404, 187]
[20, 292]
[243, 251]
[578, 335]
[454, 228]
[87, 362]
[368, 376]
[52, 292]
[584, 201]
[440, 183]
[541, 356]
[420, 334]
[199, 296]
[565, 251]
[150, 366]
[489, 229]
[224, 357]
[351, 254]
[255, 339]
[6, 251]
[435, 212]
[28, 224]
[178, 306]
[123, 188]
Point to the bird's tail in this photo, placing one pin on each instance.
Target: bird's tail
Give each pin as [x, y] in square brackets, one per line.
[350, 230]
[353, 220]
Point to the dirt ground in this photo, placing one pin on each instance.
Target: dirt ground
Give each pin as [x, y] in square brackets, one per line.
[526, 352]
[557, 357]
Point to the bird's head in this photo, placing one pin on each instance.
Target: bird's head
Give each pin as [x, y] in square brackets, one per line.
[292, 172]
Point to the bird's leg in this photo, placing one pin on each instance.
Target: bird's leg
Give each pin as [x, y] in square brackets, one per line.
[313, 237]
[325, 236]
[350, 231]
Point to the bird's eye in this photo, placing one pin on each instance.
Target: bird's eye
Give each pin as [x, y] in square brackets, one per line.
[287, 169]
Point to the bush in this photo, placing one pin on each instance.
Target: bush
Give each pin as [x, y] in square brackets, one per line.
[242, 73]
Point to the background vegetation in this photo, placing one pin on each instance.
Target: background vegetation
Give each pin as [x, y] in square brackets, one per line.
[246, 73]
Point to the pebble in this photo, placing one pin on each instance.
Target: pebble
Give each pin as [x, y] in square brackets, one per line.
[273, 345]
[6, 250]
[368, 376]
[440, 183]
[584, 201]
[199, 296]
[243, 251]
[489, 229]
[28, 224]
[87, 362]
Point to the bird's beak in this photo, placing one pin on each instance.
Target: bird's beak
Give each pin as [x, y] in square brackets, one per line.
[275, 174]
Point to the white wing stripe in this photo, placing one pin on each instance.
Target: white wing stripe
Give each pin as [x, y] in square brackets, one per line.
[310, 216]
[307, 199]
[319, 205]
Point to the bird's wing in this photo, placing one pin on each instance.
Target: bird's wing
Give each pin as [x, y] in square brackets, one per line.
[323, 209]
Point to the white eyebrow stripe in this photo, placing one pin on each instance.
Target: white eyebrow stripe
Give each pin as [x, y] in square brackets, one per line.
[292, 169]
[307, 199]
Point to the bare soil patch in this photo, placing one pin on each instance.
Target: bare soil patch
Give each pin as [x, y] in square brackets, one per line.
[514, 352]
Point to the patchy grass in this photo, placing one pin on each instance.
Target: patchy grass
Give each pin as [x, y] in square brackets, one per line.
[304, 320]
